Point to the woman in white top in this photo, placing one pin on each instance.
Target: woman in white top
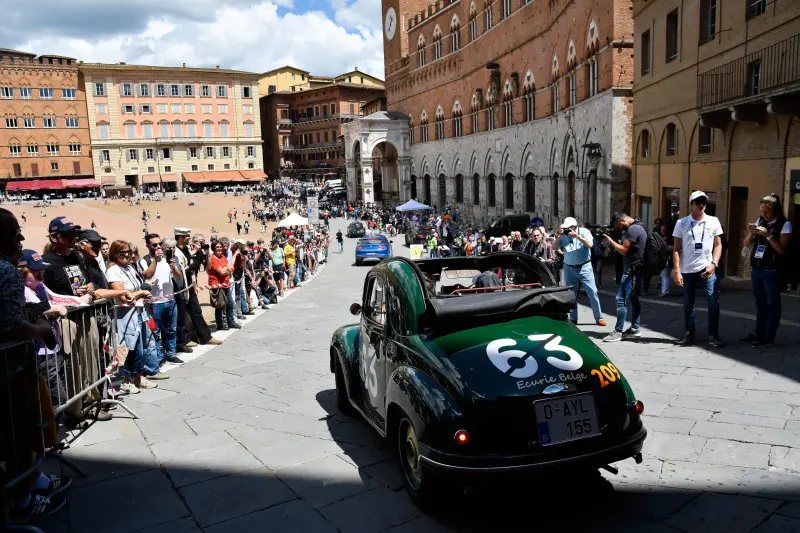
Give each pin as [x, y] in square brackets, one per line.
[132, 320]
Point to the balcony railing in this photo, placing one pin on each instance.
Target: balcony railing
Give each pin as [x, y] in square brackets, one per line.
[753, 76]
[283, 121]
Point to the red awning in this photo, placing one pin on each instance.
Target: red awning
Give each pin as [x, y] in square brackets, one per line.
[253, 175]
[224, 175]
[195, 177]
[82, 183]
[28, 185]
[109, 180]
[150, 178]
[51, 184]
[169, 177]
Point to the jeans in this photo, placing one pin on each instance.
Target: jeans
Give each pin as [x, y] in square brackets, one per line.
[241, 297]
[228, 311]
[166, 315]
[629, 288]
[665, 280]
[143, 352]
[299, 273]
[231, 294]
[341, 246]
[766, 289]
[585, 276]
[690, 283]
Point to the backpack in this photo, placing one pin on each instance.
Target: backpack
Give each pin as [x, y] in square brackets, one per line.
[656, 254]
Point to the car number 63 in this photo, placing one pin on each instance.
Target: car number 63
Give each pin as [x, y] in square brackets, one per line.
[518, 364]
[368, 374]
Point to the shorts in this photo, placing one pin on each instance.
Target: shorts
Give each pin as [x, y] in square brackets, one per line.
[290, 270]
[277, 272]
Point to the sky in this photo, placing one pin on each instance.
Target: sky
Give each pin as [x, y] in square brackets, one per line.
[324, 37]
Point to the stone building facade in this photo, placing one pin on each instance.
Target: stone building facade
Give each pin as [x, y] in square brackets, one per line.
[717, 107]
[44, 131]
[511, 106]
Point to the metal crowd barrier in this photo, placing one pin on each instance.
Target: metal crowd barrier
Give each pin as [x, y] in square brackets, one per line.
[79, 372]
[22, 447]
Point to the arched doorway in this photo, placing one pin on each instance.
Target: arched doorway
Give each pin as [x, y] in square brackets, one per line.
[413, 186]
[442, 191]
[492, 191]
[385, 175]
[508, 192]
[459, 189]
[476, 189]
[530, 193]
[426, 183]
[554, 197]
[571, 193]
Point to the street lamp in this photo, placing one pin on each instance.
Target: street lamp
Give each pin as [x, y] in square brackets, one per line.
[594, 153]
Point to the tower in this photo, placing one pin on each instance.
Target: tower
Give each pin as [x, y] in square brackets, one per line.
[396, 14]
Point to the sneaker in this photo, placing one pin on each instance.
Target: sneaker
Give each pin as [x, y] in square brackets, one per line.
[751, 338]
[145, 383]
[159, 376]
[235, 326]
[715, 341]
[631, 333]
[614, 336]
[686, 340]
[101, 415]
[129, 388]
[191, 344]
[214, 341]
[183, 349]
[761, 341]
[602, 322]
[57, 484]
[38, 506]
[174, 359]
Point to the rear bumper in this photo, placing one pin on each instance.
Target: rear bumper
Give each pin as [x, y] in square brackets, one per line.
[453, 465]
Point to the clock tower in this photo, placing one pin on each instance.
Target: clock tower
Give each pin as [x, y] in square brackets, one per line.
[395, 20]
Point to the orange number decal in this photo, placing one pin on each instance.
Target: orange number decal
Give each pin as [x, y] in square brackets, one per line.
[614, 370]
[608, 373]
[597, 373]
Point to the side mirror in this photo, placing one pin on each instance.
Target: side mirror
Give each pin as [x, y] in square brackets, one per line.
[355, 309]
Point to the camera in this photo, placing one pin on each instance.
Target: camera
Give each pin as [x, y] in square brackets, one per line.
[205, 246]
[145, 286]
[169, 254]
[602, 231]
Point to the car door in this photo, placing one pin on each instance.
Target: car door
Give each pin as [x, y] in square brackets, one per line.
[373, 344]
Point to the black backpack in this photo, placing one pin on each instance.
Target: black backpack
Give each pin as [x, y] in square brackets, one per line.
[656, 254]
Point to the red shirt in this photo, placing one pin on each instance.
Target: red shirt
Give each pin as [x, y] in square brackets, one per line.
[214, 277]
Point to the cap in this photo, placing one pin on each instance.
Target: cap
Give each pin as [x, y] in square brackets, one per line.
[179, 232]
[32, 260]
[697, 194]
[61, 224]
[569, 222]
[89, 235]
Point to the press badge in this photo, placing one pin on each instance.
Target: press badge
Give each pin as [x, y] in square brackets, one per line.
[760, 251]
[698, 248]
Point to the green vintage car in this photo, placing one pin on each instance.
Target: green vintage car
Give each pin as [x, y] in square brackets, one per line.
[356, 229]
[471, 367]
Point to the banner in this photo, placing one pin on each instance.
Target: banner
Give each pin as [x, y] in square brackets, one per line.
[416, 251]
[65, 300]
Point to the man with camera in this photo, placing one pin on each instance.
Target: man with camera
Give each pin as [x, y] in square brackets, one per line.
[633, 242]
[158, 269]
[576, 244]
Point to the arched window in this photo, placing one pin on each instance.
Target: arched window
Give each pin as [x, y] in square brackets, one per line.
[163, 129]
[442, 191]
[530, 193]
[439, 123]
[457, 125]
[492, 191]
[423, 127]
[508, 105]
[421, 51]
[191, 128]
[177, 129]
[223, 128]
[644, 144]
[411, 136]
[473, 22]
[413, 187]
[571, 193]
[488, 15]
[476, 189]
[475, 106]
[14, 148]
[509, 191]
[672, 139]
[208, 128]
[427, 191]
[437, 43]
[455, 34]
[529, 95]
[459, 188]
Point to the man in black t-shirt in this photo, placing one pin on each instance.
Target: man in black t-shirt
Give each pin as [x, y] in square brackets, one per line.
[66, 273]
[634, 239]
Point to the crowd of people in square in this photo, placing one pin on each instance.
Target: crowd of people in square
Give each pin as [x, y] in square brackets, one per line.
[92, 303]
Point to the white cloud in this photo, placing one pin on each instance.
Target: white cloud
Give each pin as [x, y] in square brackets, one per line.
[253, 37]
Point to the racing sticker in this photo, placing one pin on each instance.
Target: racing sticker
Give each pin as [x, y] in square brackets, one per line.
[367, 367]
[523, 365]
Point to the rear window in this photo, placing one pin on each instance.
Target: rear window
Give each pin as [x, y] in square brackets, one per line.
[372, 241]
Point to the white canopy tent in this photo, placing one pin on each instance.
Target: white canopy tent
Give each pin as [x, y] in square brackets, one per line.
[293, 220]
[413, 205]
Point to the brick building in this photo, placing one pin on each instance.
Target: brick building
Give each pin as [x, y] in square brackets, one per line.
[173, 127]
[303, 118]
[717, 102]
[44, 133]
[511, 106]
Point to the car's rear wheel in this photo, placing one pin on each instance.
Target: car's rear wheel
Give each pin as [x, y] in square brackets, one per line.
[342, 401]
[421, 488]
[358, 262]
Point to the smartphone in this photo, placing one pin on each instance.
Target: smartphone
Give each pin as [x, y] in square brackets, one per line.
[752, 225]
[169, 254]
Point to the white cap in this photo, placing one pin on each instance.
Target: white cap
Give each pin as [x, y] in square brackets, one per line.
[697, 194]
[569, 222]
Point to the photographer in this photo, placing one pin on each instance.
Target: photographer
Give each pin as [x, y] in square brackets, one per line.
[191, 259]
[576, 246]
[634, 239]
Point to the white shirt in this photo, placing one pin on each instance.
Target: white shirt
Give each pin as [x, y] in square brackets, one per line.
[161, 280]
[129, 279]
[697, 242]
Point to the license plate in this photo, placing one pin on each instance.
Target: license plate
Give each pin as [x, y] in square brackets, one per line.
[566, 418]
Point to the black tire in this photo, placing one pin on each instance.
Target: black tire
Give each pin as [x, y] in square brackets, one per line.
[342, 401]
[358, 262]
[422, 489]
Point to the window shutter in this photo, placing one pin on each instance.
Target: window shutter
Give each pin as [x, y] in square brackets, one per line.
[34, 169]
[127, 155]
[76, 167]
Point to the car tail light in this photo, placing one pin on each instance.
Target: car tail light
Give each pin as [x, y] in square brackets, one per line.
[381, 247]
[359, 247]
[637, 407]
[461, 437]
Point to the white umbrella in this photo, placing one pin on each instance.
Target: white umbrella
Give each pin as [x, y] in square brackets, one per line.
[293, 220]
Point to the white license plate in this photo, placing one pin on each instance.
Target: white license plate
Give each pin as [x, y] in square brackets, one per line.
[566, 418]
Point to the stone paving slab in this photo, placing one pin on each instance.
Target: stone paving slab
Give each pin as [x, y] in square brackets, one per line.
[246, 437]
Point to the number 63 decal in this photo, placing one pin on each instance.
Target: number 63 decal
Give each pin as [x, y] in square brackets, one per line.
[518, 364]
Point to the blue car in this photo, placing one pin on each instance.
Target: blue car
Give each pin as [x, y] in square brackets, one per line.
[373, 247]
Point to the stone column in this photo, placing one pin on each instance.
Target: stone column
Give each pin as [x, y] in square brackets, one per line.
[366, 180]
[352, 178]
[404, 177]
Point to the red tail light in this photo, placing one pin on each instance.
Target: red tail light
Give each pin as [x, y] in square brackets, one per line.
[637, 407]
[359, 247]
[461, 437]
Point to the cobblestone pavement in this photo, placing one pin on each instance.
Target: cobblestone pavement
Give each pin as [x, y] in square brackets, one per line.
[246, 437]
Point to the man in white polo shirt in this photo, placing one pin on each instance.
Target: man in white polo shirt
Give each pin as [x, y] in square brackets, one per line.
[698, 247]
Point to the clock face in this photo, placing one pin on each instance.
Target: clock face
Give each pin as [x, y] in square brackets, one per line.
[390, 24]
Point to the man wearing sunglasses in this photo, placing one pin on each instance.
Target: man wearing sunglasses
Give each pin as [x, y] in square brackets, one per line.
[66, 274]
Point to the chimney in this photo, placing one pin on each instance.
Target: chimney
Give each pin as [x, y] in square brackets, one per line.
[355, 68]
